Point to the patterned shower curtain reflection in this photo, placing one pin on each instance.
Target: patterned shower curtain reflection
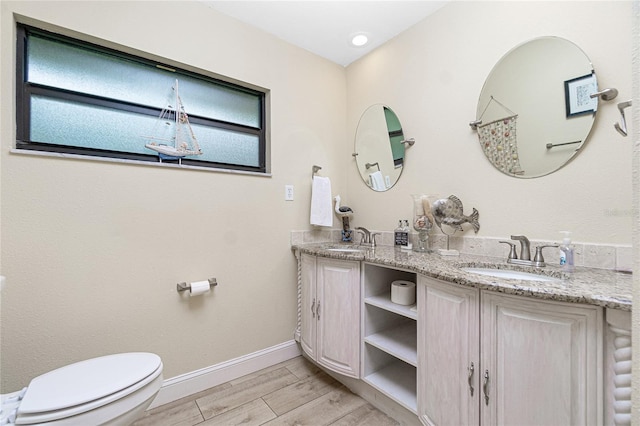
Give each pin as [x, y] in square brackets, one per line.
[499, 141]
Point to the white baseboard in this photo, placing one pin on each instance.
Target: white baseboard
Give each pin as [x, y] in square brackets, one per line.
[196, 381]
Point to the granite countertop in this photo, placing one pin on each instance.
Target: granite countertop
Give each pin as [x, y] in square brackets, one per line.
[600, 287]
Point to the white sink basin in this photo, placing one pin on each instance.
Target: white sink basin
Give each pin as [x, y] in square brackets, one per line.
[506, 273]
[346, 250]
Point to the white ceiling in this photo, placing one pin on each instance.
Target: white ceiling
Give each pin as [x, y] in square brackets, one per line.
[324, 27]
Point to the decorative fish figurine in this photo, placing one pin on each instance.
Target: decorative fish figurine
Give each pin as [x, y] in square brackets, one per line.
[449, 211]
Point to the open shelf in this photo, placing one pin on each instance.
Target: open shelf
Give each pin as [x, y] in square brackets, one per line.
[398, 341]
[397, 381]
[383, 301]
[389, 348]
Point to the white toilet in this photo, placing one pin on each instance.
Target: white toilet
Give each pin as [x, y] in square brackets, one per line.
[109, 390]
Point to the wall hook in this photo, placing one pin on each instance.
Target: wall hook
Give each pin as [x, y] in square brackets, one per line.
[622, 126]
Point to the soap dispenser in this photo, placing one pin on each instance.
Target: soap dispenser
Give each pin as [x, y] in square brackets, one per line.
[567, 253]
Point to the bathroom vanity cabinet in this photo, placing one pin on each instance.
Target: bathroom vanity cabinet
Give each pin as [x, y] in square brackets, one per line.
[330, 313]
[491, 358]
[475, 351]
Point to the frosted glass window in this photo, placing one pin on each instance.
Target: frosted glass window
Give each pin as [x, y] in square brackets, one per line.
[103, 102]
[223, 146]
[87, 126]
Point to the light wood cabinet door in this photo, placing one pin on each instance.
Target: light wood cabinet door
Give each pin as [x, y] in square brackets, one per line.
[338, 315]
[448, 353]
[308, 305]
[542, 362]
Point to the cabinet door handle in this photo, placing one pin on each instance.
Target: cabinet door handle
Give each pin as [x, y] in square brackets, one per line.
[485, 387]
[471, 371]
[318, 310]
[313, 305]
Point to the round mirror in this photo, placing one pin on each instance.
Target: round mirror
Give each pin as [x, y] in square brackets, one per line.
[379, 147]
[535, 111]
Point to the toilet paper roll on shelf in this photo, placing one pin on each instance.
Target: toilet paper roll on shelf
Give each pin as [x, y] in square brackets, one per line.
[403, 292]
[198, 287]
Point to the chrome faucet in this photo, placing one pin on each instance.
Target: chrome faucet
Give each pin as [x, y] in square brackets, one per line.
[525, 247]
[367, 238]
[525, 252]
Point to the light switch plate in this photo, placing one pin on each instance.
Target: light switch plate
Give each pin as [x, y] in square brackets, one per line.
[288, 192]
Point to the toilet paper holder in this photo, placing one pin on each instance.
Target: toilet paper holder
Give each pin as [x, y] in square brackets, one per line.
[186, 286]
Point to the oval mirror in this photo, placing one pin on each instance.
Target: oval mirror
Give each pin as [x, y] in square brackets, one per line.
[535, 111]
[379, 148]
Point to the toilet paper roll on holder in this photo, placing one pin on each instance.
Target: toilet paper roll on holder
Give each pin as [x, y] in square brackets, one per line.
[186, 286]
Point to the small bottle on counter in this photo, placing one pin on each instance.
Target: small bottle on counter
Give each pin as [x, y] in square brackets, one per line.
[401, 236]
[405, 229]
[397, 235]
[567, 261]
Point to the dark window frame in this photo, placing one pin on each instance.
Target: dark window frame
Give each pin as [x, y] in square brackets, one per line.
[25, 89]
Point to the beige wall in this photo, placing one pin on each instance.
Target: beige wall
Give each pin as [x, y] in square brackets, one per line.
[431, 76]
[92, 251]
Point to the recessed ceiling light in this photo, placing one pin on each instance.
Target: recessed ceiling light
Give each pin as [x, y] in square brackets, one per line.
[359, 40]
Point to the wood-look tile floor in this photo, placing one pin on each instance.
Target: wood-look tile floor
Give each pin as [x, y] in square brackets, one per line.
[294, 392]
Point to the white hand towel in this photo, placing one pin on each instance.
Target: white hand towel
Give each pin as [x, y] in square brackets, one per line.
[377, 181]
[321, 208]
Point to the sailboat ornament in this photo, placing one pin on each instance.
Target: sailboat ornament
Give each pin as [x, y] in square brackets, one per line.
[181, 141]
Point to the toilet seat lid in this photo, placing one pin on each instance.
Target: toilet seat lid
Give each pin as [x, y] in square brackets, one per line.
[87, 381]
